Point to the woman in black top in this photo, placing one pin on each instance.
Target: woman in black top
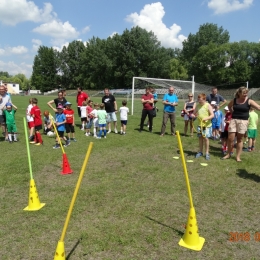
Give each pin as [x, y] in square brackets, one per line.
[189, 108]
[61, 100]
[239, 107]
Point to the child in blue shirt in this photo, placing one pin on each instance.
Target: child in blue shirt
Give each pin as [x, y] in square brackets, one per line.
[216, 122]
[60, 121]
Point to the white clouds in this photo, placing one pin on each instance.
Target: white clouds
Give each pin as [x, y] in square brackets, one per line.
[86, 29]
[16, 11]
[14, 69]
[36, 44]
[57, 30]
[227, 6]
[150, 18]
[13, 50]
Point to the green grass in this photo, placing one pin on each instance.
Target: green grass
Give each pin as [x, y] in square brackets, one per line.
[132, 203]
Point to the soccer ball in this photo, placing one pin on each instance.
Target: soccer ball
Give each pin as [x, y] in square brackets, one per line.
[50, 134]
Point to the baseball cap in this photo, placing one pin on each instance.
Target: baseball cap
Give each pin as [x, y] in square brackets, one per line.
[68, 103]
[226, 108]
[213, 103]
[60, 107]
[8, 104]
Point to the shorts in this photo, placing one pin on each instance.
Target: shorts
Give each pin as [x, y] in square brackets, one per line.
[89, 124]
[238, 125]
[224, 134]
[38, 127]
[11, 128]
[102, 125]
[2, 119]
[124, 122]
[95, 122]
[61, 134]
[83, 119]
[187, 118]
[215, 126]
[252, 133]
[111, 117]
[206, 132]
[30, 124]
[69, 128]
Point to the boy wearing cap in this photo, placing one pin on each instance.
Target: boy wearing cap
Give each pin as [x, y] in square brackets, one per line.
[60, 121]
[36, 114]
[9, 113]
[70, 121]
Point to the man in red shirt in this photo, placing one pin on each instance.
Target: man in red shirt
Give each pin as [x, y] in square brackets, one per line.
[36, 114]
[147, 101]
[69, 125]
[81, 96]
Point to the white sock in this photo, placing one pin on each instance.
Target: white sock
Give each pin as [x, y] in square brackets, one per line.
[10, 137]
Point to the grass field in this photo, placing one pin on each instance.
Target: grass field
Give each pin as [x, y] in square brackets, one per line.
[133, 202]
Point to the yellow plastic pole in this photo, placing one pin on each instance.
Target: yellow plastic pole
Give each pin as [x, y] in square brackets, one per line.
[76, 191]
[184, 168]
[56, 132]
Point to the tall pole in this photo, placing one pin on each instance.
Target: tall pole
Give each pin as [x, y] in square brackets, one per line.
[193, 85]
[133, 89]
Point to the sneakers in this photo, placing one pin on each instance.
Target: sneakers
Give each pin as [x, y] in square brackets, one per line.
[32, 142]
[87, 134]
[95, 136]
[73, 139]
[116, 132]
[98, 137]
[121, 132]
[207, 156]
[82, 128]
[67, 144]
[38, 144]
[105, 137]
[56, 146]
[124, 133]
[199, 154]
[109, 131]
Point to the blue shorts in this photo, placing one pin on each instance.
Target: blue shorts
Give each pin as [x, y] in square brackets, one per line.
[89, 124]
[206, 132]
[215, 126]
[124, 122]
[102, 125]
[111, 117]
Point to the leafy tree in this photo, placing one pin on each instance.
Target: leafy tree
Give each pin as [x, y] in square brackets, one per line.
[177, 70]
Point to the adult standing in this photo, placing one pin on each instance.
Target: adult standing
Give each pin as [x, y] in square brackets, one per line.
[4, 99]
[81, 97]
[60, 100]
[147, 101]
[111, 109]
[239, 107]
[214, 96]
[170, 101]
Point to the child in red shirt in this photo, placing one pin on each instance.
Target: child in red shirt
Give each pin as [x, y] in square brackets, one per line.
[89, 117]
[36, 114]
[69, 125]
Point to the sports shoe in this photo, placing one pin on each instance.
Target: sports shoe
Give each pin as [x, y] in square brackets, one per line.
[38, 144]
[207, 156]
[32, 142]
[86, 134]
[109, 131]
[116, 132]
[15, 140]
[105, 137]
[67, 144]
[73, 139]
[121, 132]
[82, 128]
[199, 154]
[98, 137]
[56, 146]
[95, 136]
[124, 133]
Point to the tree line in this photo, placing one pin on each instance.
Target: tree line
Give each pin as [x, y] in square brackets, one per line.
[113, 62]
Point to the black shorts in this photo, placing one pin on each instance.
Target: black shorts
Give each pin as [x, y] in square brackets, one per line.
[61, 134]
[69, 128]
[38, 127]
[83, 119]
[2, 119]
[224, 135]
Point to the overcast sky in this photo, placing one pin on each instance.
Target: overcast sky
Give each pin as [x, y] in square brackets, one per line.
[25, 25]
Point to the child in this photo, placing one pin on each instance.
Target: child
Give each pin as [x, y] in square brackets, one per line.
[83, 114]
[102, 122]
[36, 114]
[224, 133]
[89, 117]
[9, 113]
[155, 100]
[60, 121]
[47, 122]
[123, 117]
[70, 121]
[204, 113]
[30, 120]
[216, 121]
[252, 129]
[95, 119]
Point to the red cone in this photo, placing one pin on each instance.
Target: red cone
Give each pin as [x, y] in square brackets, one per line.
[65, 165]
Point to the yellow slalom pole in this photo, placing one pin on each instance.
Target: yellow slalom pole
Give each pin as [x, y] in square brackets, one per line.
[184, 168]
[56, 132]
[191, 238]
[60, 250]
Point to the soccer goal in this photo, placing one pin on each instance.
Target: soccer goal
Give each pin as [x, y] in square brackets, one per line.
[181, 87]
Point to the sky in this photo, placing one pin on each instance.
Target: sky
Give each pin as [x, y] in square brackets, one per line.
[26, 25]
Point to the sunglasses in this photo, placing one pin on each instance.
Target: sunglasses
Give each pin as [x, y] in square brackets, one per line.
[190, 96]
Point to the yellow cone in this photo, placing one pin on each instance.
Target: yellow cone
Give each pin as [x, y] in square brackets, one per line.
[60, 251]
[34, 201]
[191, 238]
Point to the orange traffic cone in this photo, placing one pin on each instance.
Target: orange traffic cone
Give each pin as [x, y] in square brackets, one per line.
[65, 165]
[34, 201]
[191, 238]
[60, 251]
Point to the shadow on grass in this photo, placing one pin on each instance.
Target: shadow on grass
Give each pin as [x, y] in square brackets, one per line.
[242, 173]
[73, 249]
[180, 233]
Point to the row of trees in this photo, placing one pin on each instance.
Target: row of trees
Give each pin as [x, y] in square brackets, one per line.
[20, 79]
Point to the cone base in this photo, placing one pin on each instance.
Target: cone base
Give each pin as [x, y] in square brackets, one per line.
[197, 247]
[64, 173]
[34, 209]
[60, 251]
